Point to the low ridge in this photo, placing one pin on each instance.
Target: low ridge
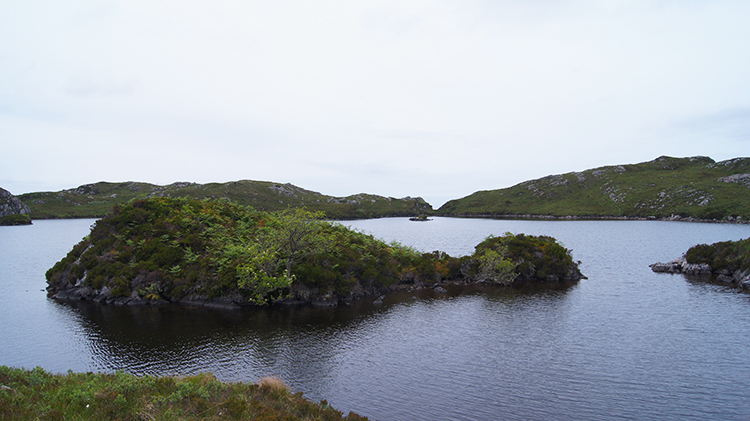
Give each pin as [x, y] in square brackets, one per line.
[96, 200]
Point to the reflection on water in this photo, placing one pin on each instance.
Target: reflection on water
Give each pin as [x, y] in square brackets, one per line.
[625, 343]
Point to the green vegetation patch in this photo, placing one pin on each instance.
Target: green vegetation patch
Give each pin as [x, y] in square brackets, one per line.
[724, 256]
[164, 249]
[36, 394]
[16, 219]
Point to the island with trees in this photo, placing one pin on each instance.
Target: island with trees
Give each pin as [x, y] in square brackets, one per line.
[217, 253]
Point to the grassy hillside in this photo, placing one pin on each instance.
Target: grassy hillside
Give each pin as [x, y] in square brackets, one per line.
[97, 200]
[39, 395]
[696, 187]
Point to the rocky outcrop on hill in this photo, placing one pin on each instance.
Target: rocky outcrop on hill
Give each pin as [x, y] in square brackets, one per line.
[739, 278]
[12, 210]
[10, 205]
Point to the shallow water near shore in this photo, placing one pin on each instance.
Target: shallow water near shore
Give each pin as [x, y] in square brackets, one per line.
[624, 343]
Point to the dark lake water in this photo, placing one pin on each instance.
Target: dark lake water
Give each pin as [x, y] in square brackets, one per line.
[624, 344]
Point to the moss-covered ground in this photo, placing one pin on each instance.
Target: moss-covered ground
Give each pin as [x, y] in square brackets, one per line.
[39, 395]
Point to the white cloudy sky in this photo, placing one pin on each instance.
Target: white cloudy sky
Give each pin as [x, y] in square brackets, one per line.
[400, 98]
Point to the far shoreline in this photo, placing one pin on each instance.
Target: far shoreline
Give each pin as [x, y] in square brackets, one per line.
[520, 217]
[673, 218]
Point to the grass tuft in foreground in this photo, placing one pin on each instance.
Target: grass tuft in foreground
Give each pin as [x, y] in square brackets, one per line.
[37, 394]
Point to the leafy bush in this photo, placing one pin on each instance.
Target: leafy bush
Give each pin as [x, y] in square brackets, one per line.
[722, 256]
[532, 257]
[15, 219]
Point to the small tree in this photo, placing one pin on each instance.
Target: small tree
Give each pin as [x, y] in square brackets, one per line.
[493, 264]
[258, 273]
[286, 239]
[297, 233]
[494, 267]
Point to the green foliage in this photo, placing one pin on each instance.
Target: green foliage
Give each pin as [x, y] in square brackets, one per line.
[257, 272]
[494, 267]
[36, 394]
[533, 257]
[694, 187]
[15, 219]
[169, 249]
[725, 255]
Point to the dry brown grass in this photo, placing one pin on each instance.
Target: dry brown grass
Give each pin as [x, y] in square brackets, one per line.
[273, 384]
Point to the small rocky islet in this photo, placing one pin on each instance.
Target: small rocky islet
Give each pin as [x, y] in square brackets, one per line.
[725, 262]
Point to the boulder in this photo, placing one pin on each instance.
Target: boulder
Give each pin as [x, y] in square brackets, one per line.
[674, 266]
[680, 265]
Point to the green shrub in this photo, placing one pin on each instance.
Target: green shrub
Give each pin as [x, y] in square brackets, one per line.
[15, 219]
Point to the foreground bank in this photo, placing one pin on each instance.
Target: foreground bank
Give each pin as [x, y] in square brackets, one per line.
[217, 253]
[37, 394]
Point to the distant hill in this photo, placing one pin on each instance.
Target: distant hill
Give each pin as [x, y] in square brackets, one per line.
[96, 200]
[696, 187]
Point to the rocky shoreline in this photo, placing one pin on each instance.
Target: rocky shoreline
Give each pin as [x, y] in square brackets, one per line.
[299, 295]
[738, 278]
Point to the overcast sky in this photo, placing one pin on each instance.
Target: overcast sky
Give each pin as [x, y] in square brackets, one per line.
[436, 99]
